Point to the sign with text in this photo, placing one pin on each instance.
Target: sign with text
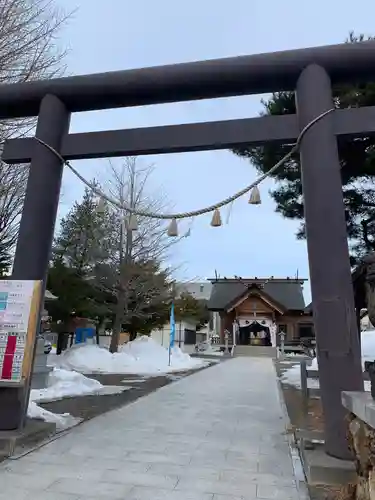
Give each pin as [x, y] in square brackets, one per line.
[19, 305]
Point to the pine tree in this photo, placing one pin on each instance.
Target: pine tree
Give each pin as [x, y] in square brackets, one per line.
[357, 157]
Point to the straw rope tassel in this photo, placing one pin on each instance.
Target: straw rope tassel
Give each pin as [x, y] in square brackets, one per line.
[101, 206]
[173, 229]
[216, 218]
[255, 196]
[133, 223]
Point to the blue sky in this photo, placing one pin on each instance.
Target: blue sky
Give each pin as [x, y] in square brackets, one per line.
[118, 34]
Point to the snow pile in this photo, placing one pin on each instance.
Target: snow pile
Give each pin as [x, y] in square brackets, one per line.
[69, 384]
[142, 356]
[292, 376]
[62, 421]
[63, 384]
[368, 345]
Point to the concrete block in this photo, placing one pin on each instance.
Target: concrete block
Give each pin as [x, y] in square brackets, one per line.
[34, 432]
[320, 468]
[361, 404]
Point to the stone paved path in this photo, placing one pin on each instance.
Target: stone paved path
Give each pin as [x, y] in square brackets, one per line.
[216, 435]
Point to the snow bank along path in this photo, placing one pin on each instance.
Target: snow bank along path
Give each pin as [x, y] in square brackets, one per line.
[142, 356]
[292, 376]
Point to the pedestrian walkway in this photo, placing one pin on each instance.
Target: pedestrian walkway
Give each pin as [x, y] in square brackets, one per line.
[216, 435]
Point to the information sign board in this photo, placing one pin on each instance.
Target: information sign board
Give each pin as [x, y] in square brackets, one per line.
[19, 308]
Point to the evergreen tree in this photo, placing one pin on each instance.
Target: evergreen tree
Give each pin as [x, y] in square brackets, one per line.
[357, 157]
[188, 307]
[83, 243]
[86, 235]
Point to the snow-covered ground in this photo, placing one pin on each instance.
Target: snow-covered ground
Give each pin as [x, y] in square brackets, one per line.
[292, 376]
[142, 356]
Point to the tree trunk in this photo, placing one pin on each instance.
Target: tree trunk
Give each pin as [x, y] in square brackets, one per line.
[117, 326]
[125, 260]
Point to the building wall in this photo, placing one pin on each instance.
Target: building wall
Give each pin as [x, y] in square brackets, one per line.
[162, 336]
[199, 290]
[292, 324]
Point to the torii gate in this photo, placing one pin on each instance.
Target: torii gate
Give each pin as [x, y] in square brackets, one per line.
[310, 72]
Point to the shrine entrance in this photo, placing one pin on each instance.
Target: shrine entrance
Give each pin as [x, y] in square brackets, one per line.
[255, 333]
[313, 131]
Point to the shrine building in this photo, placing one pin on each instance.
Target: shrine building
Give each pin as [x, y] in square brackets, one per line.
[254, 311]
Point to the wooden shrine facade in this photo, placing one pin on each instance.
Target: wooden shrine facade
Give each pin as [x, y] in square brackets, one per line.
[245, 306]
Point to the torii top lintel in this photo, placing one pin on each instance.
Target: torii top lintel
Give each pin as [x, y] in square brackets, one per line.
[233, 76]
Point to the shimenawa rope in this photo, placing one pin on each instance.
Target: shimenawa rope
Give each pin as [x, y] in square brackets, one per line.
[194, 213]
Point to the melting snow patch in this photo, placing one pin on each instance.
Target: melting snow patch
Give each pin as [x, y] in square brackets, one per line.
[65, 384]
[62, 421]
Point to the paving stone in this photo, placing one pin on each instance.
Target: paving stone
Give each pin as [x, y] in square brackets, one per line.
[256, 478]
[171, 458]
[141, 479]
[189, 471]
[142, 493]
[218, 487]
[226, 497]
[85, 488]
[14, 494]
[268, 492]
[28, 482]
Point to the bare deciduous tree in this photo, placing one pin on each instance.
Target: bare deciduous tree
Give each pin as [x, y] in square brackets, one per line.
[140, 284]
[28, 51]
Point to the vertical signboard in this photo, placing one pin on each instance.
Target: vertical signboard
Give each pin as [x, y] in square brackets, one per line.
[19, 314]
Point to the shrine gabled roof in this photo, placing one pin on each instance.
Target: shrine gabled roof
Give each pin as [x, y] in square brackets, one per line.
[257, 291]
[286, 292]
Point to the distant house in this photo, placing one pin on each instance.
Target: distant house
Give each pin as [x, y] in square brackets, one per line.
[199, 290]
[255, 310]
[186, 334]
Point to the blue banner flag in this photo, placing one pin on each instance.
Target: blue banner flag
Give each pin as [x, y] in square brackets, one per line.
[173, 327]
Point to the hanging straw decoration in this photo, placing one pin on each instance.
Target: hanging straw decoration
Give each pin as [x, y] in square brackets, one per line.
[132, 223]
[101, 206]
[173, 229]
[255, 196]
[216, 218]
[229, 213]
